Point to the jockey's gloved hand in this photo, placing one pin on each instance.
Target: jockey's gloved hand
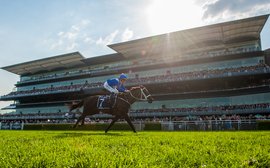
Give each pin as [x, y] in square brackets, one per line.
[127, 91]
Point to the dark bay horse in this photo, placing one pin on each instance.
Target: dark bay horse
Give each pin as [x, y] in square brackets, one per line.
[119, 111]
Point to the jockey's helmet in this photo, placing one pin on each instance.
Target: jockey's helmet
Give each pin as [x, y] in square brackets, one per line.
[123, 76]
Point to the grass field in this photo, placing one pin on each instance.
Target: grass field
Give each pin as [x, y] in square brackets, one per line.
[126, 149]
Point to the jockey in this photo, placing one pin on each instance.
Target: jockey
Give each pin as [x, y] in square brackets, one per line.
[116, 85]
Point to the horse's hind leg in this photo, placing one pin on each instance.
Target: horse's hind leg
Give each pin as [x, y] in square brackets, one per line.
[111, 124]
[130, 123]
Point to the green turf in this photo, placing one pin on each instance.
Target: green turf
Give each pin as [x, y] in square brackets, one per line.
[126, 149]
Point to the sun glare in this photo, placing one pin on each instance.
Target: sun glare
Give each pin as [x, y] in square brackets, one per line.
[173, 15]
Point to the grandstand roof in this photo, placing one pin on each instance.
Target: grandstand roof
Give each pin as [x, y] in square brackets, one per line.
[47, 64]
[181, 41]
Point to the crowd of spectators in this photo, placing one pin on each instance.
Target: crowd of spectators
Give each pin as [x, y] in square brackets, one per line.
[207, 118]
[153, 79]
[221, 108]
[199, 74]
[61, 75]
[72, 87]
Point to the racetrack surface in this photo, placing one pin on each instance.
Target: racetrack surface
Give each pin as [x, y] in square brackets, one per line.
[126, 149]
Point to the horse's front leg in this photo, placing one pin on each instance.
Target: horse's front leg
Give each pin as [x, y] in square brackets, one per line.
[111, 124]
[79, 119]
[83, 121]
[130, 123]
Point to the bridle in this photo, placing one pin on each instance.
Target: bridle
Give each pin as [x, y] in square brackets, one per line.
[143, 97]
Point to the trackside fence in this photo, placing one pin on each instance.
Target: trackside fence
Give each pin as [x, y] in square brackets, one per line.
[11, 126]
[214, 125]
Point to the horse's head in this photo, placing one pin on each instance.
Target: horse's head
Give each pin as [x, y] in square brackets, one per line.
[141, 93]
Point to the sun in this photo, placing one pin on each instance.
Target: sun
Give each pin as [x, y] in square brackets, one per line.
[173, 15]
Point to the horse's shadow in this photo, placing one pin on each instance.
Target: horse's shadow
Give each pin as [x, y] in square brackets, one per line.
[80, 134]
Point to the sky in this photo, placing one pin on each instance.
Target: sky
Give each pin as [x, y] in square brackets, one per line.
[31, 29]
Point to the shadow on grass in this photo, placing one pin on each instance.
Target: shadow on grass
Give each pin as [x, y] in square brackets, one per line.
[80, 134]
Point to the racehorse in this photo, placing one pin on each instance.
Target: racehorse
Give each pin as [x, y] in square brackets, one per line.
[120, 109]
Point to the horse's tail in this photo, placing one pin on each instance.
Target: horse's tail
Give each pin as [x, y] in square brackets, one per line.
[73, 106]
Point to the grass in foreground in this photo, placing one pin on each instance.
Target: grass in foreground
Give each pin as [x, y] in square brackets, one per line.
[125, 149]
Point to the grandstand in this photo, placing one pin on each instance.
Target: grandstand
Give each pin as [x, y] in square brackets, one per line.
[205, 73]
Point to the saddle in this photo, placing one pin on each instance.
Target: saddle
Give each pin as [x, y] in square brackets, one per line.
[106, 101]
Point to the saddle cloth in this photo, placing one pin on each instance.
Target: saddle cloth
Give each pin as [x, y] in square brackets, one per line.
[106, 101]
